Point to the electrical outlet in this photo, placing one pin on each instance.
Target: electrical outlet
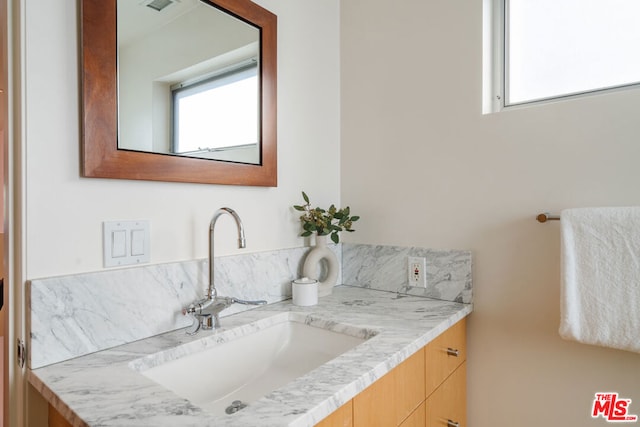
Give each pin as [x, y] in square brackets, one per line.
[417, 272]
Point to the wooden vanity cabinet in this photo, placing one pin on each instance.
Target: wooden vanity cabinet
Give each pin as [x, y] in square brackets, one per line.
[56, 419]
[446, 407]
[444, 354]
[426, 390]
[446, 378]
[417, 417]
[395, 396]
[396, 399]
[341, 417]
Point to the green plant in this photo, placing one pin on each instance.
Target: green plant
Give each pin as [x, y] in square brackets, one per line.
[325, 222]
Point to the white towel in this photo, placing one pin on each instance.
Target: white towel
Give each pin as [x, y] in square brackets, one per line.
[600, 295]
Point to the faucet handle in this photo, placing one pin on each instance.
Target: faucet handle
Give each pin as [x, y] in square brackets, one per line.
[191, 309]
[245, 302]
[195, 326]
[204, 321]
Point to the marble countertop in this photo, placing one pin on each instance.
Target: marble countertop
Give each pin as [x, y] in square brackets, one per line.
[102, 389]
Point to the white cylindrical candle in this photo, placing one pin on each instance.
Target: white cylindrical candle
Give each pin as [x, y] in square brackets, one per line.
[304, 291]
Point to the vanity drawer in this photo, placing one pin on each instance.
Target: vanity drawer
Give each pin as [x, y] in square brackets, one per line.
[394, 397]
[444, 354]
[447, 406]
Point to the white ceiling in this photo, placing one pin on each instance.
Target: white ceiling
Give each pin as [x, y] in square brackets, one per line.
[136, 18]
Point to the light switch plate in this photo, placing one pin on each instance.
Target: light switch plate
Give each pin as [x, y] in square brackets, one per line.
[125, 243]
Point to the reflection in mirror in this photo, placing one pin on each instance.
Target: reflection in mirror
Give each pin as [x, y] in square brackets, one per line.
[100, 155]
[188, 81]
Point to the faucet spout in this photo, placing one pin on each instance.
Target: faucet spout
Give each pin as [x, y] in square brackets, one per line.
[205, 313]
[212, 292]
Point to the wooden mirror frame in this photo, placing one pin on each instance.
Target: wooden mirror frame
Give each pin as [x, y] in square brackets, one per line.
[101, 157]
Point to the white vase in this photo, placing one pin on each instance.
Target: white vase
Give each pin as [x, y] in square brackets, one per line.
[311, 266]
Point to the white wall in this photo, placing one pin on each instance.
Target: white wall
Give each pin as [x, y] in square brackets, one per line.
[424, 167]
[420, 164]
[64, 212]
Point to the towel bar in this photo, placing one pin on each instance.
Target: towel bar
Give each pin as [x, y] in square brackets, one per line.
[546, 216]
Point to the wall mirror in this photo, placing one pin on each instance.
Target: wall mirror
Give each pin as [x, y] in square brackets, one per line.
[179, 90]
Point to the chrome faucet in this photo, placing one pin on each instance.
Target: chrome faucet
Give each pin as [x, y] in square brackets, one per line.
[206, 311]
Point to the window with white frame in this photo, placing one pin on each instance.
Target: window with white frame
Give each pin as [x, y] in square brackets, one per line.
[218, 112]
[559, 48]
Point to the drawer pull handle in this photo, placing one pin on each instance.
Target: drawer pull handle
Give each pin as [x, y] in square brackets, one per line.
[452, 423]
[453, 352]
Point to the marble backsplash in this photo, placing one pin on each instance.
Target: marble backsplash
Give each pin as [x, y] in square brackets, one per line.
[385, 268]
[75, 315]
[71, 316]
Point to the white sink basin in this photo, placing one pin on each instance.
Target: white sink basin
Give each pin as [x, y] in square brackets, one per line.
[246, 363]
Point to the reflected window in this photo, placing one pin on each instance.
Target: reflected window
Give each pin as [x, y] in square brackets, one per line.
[217, 113]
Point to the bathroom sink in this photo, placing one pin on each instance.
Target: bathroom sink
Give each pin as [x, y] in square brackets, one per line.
[246, 363]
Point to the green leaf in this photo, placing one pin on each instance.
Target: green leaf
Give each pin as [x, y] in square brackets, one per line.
[324, 222]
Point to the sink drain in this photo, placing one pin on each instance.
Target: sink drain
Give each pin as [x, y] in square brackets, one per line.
[235, 406]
